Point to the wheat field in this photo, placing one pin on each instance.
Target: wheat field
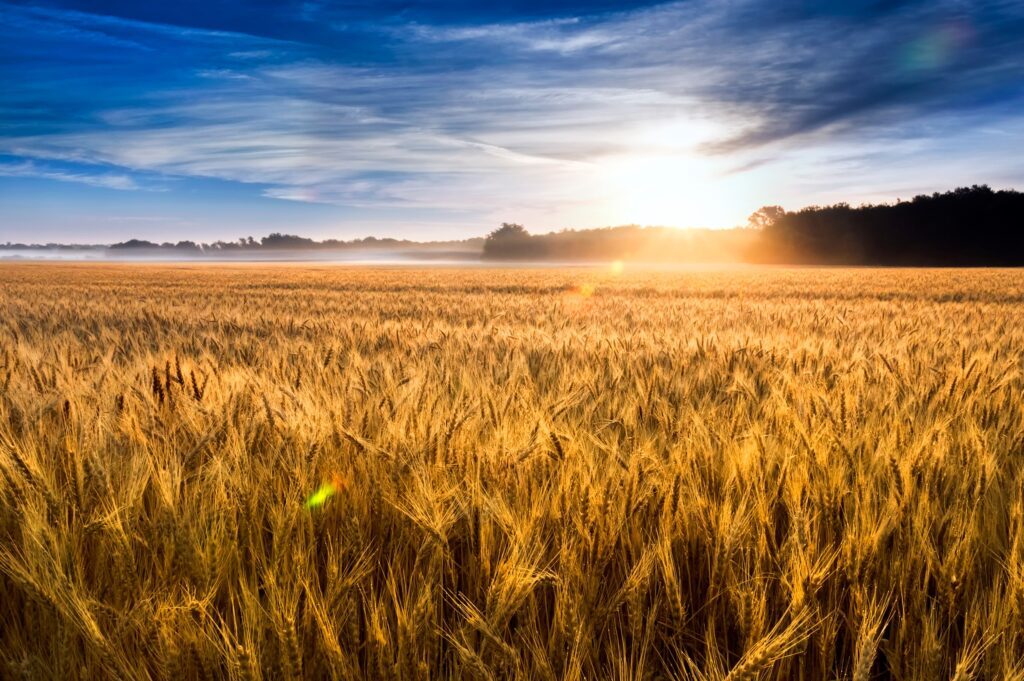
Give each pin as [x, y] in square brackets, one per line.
[284, 472]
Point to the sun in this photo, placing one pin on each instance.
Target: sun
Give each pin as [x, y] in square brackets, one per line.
[677, 190]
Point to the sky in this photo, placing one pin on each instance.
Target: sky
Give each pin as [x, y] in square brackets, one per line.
[218, 119]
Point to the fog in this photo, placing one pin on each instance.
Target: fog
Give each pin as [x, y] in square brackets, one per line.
[348, 256]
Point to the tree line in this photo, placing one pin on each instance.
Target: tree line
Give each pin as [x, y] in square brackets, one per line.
[272, 243]
[290, 242]
[969, 226]
[629, 242]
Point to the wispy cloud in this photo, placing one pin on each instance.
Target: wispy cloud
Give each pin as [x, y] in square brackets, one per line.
[104, 180]
[475, 112]
[563, 36]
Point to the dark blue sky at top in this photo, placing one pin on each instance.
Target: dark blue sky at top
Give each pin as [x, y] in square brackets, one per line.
[218, 119]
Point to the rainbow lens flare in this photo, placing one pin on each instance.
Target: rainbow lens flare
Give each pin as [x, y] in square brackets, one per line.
[937, 47]
[325, 492]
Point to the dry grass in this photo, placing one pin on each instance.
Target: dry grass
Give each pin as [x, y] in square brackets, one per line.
[784, 474]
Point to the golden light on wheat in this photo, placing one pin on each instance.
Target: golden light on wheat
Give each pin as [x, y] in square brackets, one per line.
[288, 472]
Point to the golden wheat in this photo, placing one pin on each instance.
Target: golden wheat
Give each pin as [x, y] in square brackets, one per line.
[319, 472]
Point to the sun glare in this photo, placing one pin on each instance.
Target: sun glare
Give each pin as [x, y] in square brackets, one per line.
[676, 191]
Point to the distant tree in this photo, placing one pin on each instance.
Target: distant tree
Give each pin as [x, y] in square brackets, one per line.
[765, 216]
[134, 243]
[277, 240]
[969, 226]
[509, 230]
[626, 242]
[511, 240]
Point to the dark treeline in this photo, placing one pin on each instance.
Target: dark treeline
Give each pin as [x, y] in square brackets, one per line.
[288, 242]
[630, 242]
[273, 243]
[970, 226]
[269, 248]
[64, 248]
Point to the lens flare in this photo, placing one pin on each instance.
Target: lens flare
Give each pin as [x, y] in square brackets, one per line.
[936, 48]
[325, 492]
[617, 267]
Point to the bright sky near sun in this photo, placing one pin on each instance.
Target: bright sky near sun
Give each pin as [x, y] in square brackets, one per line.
[219, 119]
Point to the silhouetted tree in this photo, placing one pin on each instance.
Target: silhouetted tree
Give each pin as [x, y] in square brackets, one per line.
[629, 242]
[511, 241]
[277, 240]
[509, 230]
[765, 216]
[968, 226]
[134, 243]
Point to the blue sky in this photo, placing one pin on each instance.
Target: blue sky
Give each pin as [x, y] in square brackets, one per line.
[217, 119]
